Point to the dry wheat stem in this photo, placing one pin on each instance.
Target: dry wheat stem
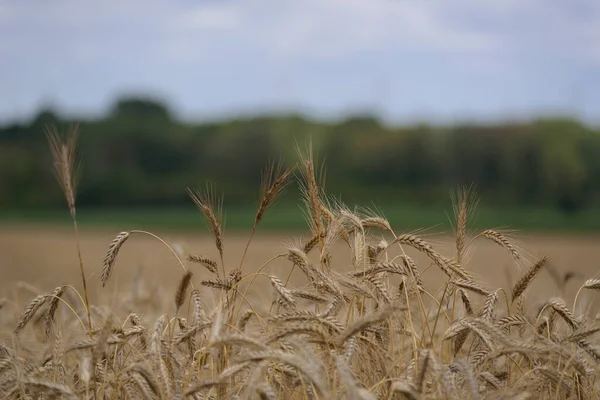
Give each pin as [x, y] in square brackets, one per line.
[115, 246]
[67, 169]
[274, 182]
[311, 194]
[503, 241]
[527, 278]
[211, 209]
[184, 283]
[210, 265]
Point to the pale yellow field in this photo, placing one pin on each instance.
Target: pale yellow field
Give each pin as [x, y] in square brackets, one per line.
[46, 258]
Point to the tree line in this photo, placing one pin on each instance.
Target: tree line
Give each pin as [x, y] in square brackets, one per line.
[140, 155]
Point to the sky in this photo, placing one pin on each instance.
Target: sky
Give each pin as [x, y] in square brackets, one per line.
[427, 60]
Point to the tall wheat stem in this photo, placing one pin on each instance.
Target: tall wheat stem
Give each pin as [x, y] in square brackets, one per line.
[83, 280]
[247, 246]
[67, 168]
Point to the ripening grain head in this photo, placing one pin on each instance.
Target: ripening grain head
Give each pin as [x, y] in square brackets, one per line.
[111, 256]
[66, 163]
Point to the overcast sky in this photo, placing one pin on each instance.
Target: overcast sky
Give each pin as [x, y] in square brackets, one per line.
[404, 59]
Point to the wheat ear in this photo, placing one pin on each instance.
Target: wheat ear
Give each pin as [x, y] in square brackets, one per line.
[527, 278]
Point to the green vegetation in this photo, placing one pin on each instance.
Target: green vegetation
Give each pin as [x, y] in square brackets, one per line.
[139, 156]
[288, 217]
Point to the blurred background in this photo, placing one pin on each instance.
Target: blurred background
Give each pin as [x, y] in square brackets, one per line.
[403, 100]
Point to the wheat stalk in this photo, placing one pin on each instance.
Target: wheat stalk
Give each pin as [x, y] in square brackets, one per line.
[211, 208]
[592, 284]
[52, 306]
[210, 265]
[184, 283]
[503, 241]
[463, 204]
[527, 278]
[67, 169]
[111, 256]
[312, 194]
[32, 307]
[449, 267]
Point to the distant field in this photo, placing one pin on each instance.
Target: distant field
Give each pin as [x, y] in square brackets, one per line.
[42, 245]
[45, 256]
[290, 217]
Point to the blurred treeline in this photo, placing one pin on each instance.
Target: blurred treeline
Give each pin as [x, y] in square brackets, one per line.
[139, 154]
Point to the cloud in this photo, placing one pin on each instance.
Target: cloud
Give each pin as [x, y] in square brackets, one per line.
[207, 17]
[334, 28]
[226, 54]
[314, 28]
[345, 26]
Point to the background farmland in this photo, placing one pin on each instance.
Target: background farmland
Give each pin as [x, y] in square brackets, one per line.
[539, 179]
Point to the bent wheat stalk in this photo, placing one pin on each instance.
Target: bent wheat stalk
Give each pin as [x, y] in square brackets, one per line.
[115, 246]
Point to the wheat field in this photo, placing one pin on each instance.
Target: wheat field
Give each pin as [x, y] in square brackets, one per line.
[36, 250]
[353, 308]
